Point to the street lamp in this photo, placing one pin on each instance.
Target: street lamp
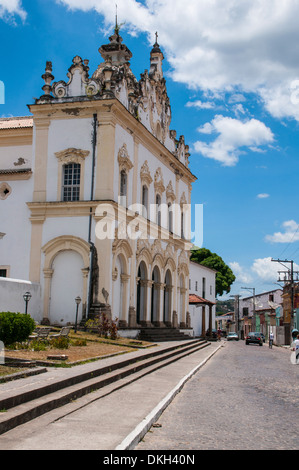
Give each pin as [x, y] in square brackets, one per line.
[78, 302]
[27, 296]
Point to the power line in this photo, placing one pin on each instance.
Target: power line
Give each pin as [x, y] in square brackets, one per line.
[290, 242]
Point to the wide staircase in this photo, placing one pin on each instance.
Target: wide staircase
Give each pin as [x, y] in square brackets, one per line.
[161, 335]
[31, 397]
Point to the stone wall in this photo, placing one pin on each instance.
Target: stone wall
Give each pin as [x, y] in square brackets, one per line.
[11, 297]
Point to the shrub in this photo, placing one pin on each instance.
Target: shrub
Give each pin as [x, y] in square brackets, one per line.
[104, 326]
[37, 345]
[60, 343]
[15, 327]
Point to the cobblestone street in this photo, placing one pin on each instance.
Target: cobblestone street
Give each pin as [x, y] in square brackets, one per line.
[244, 398]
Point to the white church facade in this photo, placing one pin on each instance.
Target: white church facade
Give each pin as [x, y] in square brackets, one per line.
[95, 196]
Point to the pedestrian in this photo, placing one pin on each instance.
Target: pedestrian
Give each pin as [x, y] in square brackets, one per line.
[296, 348]
[271, 339]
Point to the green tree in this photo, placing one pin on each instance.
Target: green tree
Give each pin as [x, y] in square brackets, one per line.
[224, 277]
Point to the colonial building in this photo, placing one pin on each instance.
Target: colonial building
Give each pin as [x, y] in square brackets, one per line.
[95, 194]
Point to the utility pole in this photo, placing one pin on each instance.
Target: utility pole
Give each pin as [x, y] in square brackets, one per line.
[289, 277]
[252, 289]
[237, 311]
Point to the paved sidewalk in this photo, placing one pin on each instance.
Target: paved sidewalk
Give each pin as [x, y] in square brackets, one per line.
[106, 422]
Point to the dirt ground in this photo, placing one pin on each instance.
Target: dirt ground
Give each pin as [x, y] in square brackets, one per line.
[98, 347]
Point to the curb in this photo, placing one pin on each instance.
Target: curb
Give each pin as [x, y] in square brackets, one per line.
[139, 432]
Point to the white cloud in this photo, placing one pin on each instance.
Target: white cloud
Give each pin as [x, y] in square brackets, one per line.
[237, 98]
[290, 235]
[237, 46]
[10, 8]
[263, 196]
[233, 136]
[238, 110]
[241, 274]
[199, 104]
[265, 269]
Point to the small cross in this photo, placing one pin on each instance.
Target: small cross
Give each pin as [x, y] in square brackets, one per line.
[156, 37]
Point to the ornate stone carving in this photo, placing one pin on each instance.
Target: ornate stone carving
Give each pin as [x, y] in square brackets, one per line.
[159, 183]
[48, 77]
[170, 192]
[79, 83]
[145, 174]
[124, 159]
[72, 155]
[183, 200]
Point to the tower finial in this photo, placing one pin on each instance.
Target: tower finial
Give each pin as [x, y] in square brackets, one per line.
[116, 20]
[157, 37]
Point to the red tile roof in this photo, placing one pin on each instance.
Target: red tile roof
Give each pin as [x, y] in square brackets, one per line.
[195, 299]
[16, 123]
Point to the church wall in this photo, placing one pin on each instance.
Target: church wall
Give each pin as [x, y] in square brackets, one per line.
[66, 134]
[14, 245]
[11, 297]
[57, 227]
[15, 157]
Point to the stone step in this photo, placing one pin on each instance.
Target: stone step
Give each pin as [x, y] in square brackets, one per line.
[163, 334]
[27, 403]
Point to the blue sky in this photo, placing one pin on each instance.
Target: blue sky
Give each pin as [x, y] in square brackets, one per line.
[232, 71]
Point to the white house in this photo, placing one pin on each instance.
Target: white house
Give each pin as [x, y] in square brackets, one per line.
[202, 298]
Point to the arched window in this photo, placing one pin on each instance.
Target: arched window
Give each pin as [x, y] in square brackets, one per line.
[123, 187]
[170, 217]
[182, 224]
[71, 182]
[144, 201]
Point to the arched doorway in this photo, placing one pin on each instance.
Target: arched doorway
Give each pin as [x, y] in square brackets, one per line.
[155, 305]
[66, 285]
[167, 299]
[141, 294]
[66, 272]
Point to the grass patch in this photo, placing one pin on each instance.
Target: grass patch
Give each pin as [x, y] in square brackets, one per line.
[5, 370]
[79, 347]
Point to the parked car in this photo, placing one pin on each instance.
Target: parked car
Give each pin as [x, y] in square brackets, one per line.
[254, 338]
[232, 336]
